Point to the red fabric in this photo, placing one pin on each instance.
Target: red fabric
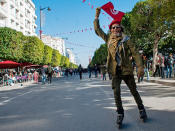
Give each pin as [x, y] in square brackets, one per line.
[8, 64]
[40, 32]
[109, 8]
[114, 22]
[33, 66]
[25, 64]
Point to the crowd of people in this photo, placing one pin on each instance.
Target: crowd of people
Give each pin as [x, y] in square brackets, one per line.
[164, 66]
[9, 77]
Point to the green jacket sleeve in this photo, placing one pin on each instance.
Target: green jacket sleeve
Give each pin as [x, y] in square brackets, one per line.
[135, 54]
[99, 31]
[108, 64]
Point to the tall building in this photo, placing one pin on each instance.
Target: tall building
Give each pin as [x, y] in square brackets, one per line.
[70, 55]
[19, 15]
[55, 43]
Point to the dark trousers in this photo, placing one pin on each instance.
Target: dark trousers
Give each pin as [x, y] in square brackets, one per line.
[162, 72]
[157, 70]
[80, 73]
[49, 77]
[130, 82]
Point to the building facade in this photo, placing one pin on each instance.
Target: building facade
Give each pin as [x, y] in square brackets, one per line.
[70, 55]
[55, 43]
[19, 15]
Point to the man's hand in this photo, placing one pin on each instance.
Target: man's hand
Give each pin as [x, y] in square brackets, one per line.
[140, 72]
[98, 10]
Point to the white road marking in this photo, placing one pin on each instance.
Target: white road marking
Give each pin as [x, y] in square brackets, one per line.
[5, 101]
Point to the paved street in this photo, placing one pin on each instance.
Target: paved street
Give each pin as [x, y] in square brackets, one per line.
[69, 104]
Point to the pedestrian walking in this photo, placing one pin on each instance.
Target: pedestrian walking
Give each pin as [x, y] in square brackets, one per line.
[157, 66]
[119, 64]
[50, 71]
[140, 78]
[90, 71]
[80, 70]
[43, 73]
[96, 70]
[162, 65]
[170, 64]
[103, 71]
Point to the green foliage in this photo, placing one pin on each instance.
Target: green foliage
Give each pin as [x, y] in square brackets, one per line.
[47, 58]
[56, 58]
[72, 65]
[126, 23]
[63, 59]
[167, 45]
[17, 47]
[100, 55]
[67, 63]
[149, 23]
[33, 50]
[11, 44]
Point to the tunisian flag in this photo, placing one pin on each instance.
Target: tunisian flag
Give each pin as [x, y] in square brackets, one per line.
[109, 8]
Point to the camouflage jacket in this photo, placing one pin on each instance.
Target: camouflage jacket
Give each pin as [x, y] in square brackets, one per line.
[126, 50]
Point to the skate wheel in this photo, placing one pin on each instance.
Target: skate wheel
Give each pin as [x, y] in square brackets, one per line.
[143, 120]
[119, 126]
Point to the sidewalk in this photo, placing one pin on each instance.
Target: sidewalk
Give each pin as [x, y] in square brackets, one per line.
[165, 81]
[17, 86]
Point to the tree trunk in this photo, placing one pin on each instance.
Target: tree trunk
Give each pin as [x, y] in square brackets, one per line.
[155, 52]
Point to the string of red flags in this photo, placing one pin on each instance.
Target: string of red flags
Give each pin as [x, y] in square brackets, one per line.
[75, 44]
[107, 9]
[93, 7]
[78, 31]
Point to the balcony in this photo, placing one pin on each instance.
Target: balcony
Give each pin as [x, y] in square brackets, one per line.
[3, 1]
[3, 12]
[2, 23]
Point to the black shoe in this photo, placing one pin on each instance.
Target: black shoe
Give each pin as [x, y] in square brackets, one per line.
[120, 120]
[143, 115]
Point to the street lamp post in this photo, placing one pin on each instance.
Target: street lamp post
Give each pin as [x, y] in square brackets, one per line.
[40, 18]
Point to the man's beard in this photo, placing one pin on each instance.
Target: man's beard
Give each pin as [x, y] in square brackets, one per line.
[118, 34]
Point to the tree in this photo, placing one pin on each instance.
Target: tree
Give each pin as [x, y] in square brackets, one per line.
[56, 58]
[47, 54]
[67, 63]
[100, 55]
[63, 59]
[149, 23]
[11, 44]
[33, 50]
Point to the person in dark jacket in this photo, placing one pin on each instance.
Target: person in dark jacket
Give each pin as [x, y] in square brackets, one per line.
[50, 72]
[80, 70]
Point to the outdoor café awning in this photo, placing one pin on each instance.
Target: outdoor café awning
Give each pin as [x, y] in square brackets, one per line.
[8, 64]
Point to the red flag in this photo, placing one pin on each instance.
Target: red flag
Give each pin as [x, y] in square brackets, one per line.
[109, 8]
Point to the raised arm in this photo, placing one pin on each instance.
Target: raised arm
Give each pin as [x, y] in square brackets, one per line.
[97, 28]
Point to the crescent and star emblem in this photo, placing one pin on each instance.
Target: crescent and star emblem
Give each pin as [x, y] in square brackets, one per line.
[114, 12]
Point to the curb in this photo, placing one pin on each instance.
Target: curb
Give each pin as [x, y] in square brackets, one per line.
[172, 83]
[16, 86]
